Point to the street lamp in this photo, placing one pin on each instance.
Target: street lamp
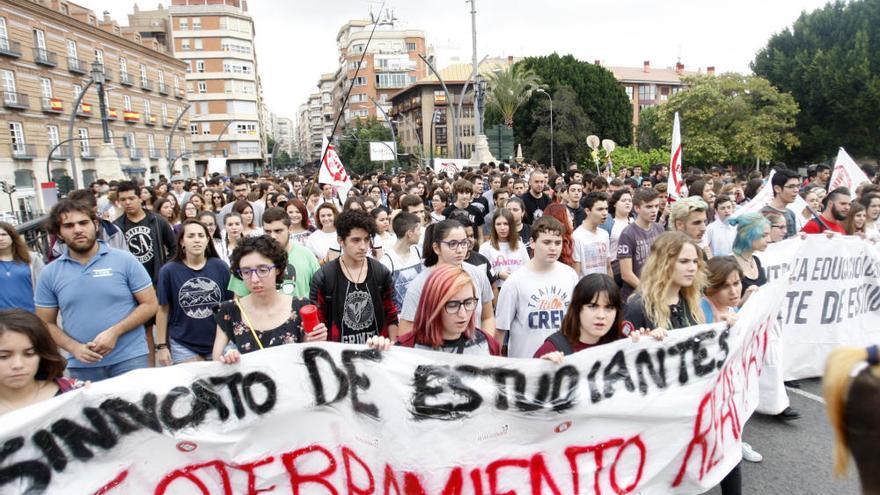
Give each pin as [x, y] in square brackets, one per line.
[541, 90]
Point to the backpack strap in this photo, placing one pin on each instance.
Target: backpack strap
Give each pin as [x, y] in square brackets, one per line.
[561, 343]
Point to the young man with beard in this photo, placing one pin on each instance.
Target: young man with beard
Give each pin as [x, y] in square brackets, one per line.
[636, 239]
[190, 287]
[301, 263]
[354, 293]
[592, 245]
[149, 238]
[535, 199]
[786, 185]
[241, 189]
[104, 296]
[837, 204]
[534, 299]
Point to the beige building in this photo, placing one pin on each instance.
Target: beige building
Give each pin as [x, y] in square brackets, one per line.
[390, 64]
[47, 49]
[215, 40]
[284, 134]
[646, 86]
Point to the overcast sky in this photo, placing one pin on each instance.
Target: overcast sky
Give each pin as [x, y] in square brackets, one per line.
[296, 39]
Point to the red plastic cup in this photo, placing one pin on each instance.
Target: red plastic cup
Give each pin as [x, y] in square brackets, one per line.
[309, 315]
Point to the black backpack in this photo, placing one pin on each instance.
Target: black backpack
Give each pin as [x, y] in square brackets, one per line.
[561, 343]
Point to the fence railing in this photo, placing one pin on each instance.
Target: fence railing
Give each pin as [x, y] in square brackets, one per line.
[32, 229]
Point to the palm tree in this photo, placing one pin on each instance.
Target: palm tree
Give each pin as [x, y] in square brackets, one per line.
[509, 89]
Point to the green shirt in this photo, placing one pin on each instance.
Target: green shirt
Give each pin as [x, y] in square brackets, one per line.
[301, 267]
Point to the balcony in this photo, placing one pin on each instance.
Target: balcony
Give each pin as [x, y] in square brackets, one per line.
[167, 122]
[88, 154]
[125, 78]
[112, 114]
[131, 117]
[10, 48]
[84, 110]
[52, 105]
[155, 154]
[163, 89]
[149, 119]
[77, 66]
[61, 153]
[146, 85]
[22, 151]
[45, 57]
[18, 101]
[135, 153]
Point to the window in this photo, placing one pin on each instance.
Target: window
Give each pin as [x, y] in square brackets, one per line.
[83, 141]
[107, 98]
[164, 112]
[4, 34]
[236, 46]
[358, 98]
[151, 143]
[410, 47]
[237, 106]
[206, 128]
[629, 92]
[71, 49]
[161, 80]
[126, 103]
[123, 67]
[8, 83]
[110, 135]
[147, 107]
[197, 23]
[200, 66]
[199, 44]
[647, 92]
[360, 81]
[355, 64]
[194, 129]
[236, 67]
[16, 133]
[358, 48]
[675, 91]
[129, 140]
[176, 84]
[467, 112]
[203, 87]
[393, 80]
[39, 39]
[53, 135]
[143, 75]
[184, 24]
[184, 44]
[245, 128]
[99, 56]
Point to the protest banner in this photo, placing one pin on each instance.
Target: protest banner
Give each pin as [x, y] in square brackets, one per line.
[649, 417]
[675, 184]
[833, 298]
[333, 171]
[846, 174]
[450, 165]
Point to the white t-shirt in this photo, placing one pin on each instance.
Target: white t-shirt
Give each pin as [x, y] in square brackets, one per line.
[592, 250]
[414, 292]
[504, 259]
[616, 229]
[531, 306]
[720, 236]
[404, 269]
[320, 243]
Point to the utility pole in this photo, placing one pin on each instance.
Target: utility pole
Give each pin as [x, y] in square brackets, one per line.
[478, 127]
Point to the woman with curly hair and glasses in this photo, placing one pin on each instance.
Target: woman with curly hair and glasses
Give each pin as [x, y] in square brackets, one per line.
[265, 317]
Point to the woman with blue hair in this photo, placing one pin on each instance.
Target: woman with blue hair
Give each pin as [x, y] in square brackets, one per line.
[752, 234]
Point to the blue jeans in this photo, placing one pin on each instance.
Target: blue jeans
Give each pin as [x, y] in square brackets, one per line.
[99, 373]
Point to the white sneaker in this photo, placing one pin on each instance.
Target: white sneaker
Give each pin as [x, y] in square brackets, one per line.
[750, 454]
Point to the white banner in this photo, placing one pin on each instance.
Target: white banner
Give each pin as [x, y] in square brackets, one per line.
[450, 165]
[383, 151]
[649, 418]
[333, 171]
[833, 298]
[675, 184]
[216, 164]
[846, 174]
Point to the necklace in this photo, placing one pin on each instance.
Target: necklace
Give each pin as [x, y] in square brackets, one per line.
[7, 267]
[345, 268]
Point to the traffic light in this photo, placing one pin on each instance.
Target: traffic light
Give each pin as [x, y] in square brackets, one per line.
[7, 187]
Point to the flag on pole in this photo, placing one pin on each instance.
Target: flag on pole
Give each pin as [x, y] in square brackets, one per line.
[676, 179]
[333, 172]
[846, 174]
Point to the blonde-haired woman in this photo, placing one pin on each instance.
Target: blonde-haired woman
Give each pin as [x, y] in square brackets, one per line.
[670, 289]
[853, 399]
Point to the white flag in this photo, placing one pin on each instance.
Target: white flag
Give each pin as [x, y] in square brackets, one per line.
[333, 172]
[846, 174]
[761, 199]
[676, 178]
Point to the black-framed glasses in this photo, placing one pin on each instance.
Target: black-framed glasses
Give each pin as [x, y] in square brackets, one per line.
[454, 245]
[262, 271]
[452, 307]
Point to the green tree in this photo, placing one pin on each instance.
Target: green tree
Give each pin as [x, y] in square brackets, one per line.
[509, 89]
[354, 145]
[646, 137]
[830, 62]
[729, 119]
[628, 156]
[570, 126]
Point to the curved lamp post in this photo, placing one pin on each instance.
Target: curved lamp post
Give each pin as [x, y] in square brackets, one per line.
[451, 103]
[171, 136]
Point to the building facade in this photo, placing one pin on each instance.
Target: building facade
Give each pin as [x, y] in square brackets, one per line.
[215, 40]
[284, 134]
[47, 50]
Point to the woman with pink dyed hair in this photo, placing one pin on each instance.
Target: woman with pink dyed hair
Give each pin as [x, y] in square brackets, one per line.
[444, 320]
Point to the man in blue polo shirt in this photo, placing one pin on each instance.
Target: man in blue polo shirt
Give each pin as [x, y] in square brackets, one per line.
[104, 295]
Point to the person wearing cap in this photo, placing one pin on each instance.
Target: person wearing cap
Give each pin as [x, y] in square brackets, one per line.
[181, 195]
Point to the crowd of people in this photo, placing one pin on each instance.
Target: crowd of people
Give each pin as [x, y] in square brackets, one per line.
[504, 260]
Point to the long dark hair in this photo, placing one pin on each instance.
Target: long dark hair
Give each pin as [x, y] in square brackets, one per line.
[436, 232]
[52, 363]
[20, 251]
[587, 291]
[210, 251]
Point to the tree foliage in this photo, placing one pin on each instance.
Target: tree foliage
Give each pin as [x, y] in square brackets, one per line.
[830, 62]
[570, 126]
[646, 136]
[629, 156]
[509, 89]
[730, 118]
[354, 145]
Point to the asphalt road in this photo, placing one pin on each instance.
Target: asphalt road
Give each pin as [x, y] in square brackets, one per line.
[797, 454]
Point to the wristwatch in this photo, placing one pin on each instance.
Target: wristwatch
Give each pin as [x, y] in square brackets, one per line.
[159, 347]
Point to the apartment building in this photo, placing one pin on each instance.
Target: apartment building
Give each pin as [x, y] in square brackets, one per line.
[47, 50]
[215, 40]
[391, 63]
[284, 134]
[646, 86]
